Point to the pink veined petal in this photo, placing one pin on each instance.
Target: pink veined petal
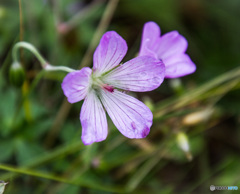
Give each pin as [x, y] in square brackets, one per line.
[109, 53]
[151, 33]
[76, 84]
[178, 66]
[170, 44]
[140, 74]
[93, 120]
[131, 117]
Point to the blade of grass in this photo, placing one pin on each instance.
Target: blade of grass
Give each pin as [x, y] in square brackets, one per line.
[84, 13]
[152, 161]
[38, 174]
[172, 104]
[217, 169]
[61, 151]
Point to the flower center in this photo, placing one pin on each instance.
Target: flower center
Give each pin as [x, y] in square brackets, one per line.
[97, 84]
[108, 88]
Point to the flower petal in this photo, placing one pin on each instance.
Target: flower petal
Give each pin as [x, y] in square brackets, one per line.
[140, 74]
[171, 43]
[131, 117]
[75, 85]
[93, 120]
[151, 33]
[109, 53]
[178, 66]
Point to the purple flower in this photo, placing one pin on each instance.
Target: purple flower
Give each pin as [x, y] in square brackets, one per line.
[99, 87]
[169, 48]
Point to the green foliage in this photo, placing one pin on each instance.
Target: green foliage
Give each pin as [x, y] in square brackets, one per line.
[40, 136]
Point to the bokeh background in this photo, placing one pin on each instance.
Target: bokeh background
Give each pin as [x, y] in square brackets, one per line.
[40, 146]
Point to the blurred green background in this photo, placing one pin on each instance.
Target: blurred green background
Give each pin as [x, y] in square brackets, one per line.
[40, 146]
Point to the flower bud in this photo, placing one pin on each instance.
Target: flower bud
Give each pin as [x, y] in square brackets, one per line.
[16, 74]
[182, 141]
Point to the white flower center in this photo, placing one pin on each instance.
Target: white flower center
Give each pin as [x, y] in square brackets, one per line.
[98, 84]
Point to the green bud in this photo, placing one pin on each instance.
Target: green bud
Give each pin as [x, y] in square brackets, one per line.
[16, 74]
[182, 141]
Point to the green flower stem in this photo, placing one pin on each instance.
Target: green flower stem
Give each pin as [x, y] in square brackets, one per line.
[45, 65]
[31, 48]
[49, 67]
[44, 175]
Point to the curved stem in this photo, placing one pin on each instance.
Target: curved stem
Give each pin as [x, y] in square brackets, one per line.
[49, 67]
[32, 49]
[45, 65]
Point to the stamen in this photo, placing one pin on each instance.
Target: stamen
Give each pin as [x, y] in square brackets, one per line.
[108, 88]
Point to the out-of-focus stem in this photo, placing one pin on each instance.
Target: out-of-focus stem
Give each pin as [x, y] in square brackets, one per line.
[26, 103]
[65, 150]
[64, 27]
[82, 14]
[102, 26]
[44, 64]
[31, 48]
[112, 189]
[193, 95]
[58, 68]
[20, 25]
[20, 20]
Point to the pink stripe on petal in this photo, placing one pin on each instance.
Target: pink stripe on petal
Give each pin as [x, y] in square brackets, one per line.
[131, 117]
[93, 120]
[139, 74]
[109, 53]
[76, 84]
